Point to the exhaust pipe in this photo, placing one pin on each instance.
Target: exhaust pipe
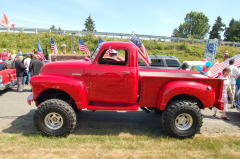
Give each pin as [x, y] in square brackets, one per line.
[145, 109]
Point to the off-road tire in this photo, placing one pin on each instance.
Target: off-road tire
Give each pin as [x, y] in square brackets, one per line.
[182, 119]
[55, 110]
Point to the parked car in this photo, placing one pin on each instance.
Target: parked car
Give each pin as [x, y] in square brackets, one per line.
[162, 62]
[7, 75]
[193, 65]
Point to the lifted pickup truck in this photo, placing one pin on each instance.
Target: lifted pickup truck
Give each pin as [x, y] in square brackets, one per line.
[107, 83]
[7, 76]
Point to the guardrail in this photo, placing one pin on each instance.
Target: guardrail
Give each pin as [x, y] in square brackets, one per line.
[119, 35]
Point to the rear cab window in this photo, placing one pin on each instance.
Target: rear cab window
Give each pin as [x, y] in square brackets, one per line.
[172, 63]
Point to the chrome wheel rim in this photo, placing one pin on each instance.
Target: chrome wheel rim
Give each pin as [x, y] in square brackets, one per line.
[183, 121]
[53, 121]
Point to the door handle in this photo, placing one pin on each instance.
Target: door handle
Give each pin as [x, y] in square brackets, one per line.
[127, 72]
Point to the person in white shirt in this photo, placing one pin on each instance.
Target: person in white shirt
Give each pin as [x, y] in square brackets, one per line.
[27, 63]
[13, 55]
[235, 72]
[208, 72]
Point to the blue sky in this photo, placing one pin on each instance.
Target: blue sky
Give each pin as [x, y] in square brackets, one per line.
[152, 17]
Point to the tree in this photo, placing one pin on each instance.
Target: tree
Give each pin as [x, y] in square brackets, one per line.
[195, 26]
[89, 24]
[53, 27]
[232, 33]
[217, 28]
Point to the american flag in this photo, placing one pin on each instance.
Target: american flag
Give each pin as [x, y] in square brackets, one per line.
[100, 40]
[53, 46]
[83, 47]
[219, 67]
[141, 49]
[40, 52]
[108, 51]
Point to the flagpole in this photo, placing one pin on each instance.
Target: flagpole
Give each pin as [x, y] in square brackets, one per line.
[72, 42]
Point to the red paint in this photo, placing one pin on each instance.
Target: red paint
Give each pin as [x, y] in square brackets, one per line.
[98, 86]
[8, 76]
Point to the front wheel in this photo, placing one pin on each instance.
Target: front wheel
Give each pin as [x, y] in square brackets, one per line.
[182, 119]
[55, 117]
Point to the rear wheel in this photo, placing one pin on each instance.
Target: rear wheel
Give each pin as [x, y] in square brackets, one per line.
[55, 117]
[182, 119]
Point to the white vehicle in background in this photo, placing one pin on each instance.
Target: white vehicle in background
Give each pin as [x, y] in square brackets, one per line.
[193, 65]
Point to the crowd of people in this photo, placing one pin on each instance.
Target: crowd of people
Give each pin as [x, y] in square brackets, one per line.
[26, 67]
[231, 85]
[230, 73]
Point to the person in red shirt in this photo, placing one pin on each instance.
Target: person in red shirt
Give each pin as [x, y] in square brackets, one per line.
[4, 55]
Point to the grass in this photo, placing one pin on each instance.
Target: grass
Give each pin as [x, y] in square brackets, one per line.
[124, 145]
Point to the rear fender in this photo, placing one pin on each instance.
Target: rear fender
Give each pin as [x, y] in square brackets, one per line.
[74, 87]
[199, 90]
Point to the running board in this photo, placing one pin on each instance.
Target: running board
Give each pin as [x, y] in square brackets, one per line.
[113, 107]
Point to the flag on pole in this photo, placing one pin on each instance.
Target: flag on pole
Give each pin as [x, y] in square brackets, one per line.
[83, 47]
[141, 49]
[6, 22]
[39, 47]
[53, 46]
[100, 40]
[40, 52]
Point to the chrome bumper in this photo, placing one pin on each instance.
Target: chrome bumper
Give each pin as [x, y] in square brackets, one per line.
[5, 86]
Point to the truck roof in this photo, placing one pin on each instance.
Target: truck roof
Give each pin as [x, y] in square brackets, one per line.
[162, 57]
[117, 43]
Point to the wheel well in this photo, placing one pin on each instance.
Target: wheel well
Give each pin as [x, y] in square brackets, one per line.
[189, 98]
[55, 93]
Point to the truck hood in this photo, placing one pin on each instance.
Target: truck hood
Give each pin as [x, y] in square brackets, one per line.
[65, 68]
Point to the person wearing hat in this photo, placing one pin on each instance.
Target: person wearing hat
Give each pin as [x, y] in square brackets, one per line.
[4, 55]
[113, 54]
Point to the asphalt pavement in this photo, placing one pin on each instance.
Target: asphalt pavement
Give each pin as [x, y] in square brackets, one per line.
[16, 116]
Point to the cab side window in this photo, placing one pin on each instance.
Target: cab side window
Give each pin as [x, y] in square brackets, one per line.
[172, 63]
[114, 57]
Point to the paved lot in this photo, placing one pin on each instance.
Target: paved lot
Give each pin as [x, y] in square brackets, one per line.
[16, 116]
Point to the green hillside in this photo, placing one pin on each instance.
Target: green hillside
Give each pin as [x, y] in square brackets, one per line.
[184, 51]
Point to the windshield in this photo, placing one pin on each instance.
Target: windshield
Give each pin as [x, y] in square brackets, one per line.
[96, 51]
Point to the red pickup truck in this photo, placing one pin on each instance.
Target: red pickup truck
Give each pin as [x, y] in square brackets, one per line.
[106, 82]
[7, 76]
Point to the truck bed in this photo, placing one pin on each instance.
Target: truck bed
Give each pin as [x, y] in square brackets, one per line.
[185, 74]
[153, 82]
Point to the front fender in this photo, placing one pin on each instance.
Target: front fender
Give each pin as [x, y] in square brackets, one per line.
[74, 87]
[196, 89]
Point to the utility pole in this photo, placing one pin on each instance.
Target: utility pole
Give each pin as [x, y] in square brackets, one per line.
[72, 42]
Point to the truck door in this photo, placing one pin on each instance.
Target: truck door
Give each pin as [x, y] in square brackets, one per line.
[112, 80]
